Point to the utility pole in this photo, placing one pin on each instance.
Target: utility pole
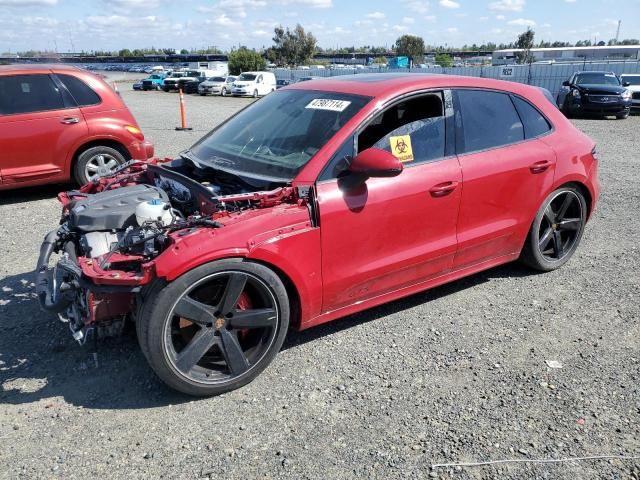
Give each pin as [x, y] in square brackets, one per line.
[618, 31]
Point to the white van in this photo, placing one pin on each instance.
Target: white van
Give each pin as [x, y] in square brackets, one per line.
[254, 84]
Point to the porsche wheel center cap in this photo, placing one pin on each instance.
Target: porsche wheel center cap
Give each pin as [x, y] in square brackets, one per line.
[220, 323]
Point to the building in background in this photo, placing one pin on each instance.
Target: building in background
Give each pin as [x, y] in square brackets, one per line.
[571, 54]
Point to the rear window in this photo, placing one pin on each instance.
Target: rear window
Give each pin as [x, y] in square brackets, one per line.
[534, 122]
[28, 93]
[80, 91]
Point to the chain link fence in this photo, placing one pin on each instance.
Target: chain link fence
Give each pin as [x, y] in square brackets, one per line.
[549, 76]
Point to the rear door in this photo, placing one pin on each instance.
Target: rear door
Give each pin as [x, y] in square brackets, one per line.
[506, 169]
[392, 232]
[38, 127]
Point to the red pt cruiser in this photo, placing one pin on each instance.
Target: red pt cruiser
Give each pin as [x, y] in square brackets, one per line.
[59, 122]
[320, 200]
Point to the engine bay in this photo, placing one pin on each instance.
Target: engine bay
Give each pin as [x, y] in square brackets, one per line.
[112, 229]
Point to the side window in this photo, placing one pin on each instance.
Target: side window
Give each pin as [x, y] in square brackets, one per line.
[413, 130]
[488, 120]
[339, 162]
[534, 122]
[28, 93]
[80, 91]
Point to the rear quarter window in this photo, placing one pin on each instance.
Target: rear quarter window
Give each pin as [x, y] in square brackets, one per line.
[535, 124]
[80, 91]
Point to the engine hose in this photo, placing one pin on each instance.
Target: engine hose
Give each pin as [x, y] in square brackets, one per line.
[43, 285]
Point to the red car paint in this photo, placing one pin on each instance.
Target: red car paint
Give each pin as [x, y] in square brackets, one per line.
[39, 147]
[434, 223]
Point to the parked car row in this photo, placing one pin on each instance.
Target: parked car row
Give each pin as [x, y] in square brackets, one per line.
[206, 82]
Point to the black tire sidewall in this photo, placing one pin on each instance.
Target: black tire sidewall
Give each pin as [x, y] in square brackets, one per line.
[88, 154]
[533, 256]
[160, 301]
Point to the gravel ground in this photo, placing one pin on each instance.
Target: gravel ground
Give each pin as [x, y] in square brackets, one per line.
[454, 374]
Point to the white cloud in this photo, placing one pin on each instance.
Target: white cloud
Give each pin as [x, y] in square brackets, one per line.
[483, 19]
[452, 30]
[134, 3]
[28, 3]
[416, 6]
[430, 18]
[507, 5]
[522, 22]
[309, 3]
[224, 20]
[375, 15]
[40, 21]
[449, 4]
[499, 17]
[408, 20]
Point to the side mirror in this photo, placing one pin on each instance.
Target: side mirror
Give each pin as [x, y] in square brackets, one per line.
[370, 163]
[566, 83]
[626, 84]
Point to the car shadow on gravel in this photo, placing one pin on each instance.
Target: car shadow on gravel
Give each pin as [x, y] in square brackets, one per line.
[39, 361]
[30, 194]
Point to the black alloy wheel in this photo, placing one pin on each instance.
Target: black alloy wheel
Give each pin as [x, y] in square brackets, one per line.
[215, 328]
[557, 230]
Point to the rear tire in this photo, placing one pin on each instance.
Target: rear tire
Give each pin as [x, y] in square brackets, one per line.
[215, 328]
[255, 94]
[96, 162]
[556, 230]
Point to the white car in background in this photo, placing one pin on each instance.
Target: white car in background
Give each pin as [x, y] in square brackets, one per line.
[216, 86]
[633, 81]
[254, 84]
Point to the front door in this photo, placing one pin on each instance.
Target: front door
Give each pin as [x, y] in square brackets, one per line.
[392, 232]
[37, 128]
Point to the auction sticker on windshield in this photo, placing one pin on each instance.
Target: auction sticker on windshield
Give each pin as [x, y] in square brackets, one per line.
[328, 104]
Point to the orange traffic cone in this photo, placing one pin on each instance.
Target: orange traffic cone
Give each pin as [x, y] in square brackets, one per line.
[183, 115]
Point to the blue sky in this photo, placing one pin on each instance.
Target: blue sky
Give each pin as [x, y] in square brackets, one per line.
[114, 24]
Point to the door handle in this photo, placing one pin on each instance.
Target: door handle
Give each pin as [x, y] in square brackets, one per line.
[540, 166]
[70, 120]
[442, 189]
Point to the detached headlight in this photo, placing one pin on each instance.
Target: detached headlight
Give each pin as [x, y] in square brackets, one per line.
[626, 95]
[575, 93]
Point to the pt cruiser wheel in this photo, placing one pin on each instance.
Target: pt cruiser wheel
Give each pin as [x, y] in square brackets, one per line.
[556, 231]
[215, 328]
[96, 162]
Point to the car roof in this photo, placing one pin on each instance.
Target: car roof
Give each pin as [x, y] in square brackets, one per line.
[36, 68]
[383, 84]
[604, 72]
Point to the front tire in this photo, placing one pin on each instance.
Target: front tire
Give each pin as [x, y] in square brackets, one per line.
[96, 162]
[556, 230]
[622, 116]
[223, 92]
[255, 94]
[215, 328]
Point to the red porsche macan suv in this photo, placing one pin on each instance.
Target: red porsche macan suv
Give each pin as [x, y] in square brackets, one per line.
[320, 200]
[60, 122]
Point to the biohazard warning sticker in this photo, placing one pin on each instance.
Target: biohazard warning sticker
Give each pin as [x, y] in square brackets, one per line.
[328, 104]
[401, 148]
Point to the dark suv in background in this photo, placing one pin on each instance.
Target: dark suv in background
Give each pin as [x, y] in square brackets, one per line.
[599, 93]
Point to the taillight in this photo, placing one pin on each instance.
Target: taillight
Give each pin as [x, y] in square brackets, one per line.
[135, 131]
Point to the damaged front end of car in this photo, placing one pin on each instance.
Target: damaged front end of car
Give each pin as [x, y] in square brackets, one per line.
[114, 230]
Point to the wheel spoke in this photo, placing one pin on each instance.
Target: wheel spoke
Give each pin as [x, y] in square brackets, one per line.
[570, 224]
[233, 354]
[196, 348]
[235, 287]
[557, 244]
[195, 311]
[100, 159]
[256, 318]
[91, 167]
[545, 239]
[550, 215]
[568, 199]
[112, 164]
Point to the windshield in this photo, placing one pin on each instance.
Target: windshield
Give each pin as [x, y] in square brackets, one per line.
[276, 136]
[597, 79]
[215, 79]
[632, 79]
[246, 76]
[177, 75]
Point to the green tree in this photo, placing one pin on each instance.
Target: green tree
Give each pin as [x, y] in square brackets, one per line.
[410, 46]
[245, 60]
[443, 59]
[525, 43]
[184, 51]
[292, 47]
[125, 52]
